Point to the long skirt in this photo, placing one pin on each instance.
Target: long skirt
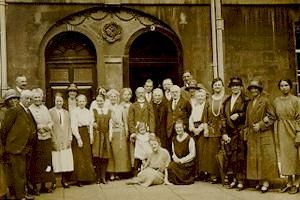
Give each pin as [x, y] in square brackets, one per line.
[62, 160]
[150, 176]
[3, 185]
[120, 160]
[41, 160]
[207, 149]
[181, 174]
[83, 164]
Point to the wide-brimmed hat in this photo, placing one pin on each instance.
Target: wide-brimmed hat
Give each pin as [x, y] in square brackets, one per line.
[73, 87]
[11, 93]
[255, 84]
[192, 85]
[235, 81]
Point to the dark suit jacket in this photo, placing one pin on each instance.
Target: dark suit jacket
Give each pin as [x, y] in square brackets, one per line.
[182, 111]
[19, 129]
[160, 114]
[138, 114]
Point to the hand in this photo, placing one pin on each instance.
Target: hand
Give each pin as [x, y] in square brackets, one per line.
[234, 116]
[95, 125]
[132, 137]
[91, 140]
[196, 131]
[266, 119]
[226, 138]
[256, 127]
[48, 169]
[80, 143]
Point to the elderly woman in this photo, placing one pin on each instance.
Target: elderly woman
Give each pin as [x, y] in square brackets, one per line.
[199, 126]
[233, 114]
[101, 145]
[62, 157]
[261, 155]
[181, 171]
[118, 137]
[287, 131]
[155, 168]
[41, 161]
[82, 128]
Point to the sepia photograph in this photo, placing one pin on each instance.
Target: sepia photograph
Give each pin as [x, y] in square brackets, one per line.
[149, 99]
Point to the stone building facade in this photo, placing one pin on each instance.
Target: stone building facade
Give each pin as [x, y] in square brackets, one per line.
[121, 43]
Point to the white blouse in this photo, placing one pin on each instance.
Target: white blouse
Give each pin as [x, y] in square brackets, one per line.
[81, 117]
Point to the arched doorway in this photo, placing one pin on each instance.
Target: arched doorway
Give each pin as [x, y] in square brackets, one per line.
[156, 56]
[70, 58]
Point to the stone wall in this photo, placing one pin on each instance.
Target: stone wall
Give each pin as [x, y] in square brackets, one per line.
[258, 40]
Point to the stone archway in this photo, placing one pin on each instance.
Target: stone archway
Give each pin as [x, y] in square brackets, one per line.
[70, 57]
[155, 55]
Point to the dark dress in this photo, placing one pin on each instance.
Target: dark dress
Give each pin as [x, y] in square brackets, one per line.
[101, 146]
[83, 167]
[40, 160]
[181, 174]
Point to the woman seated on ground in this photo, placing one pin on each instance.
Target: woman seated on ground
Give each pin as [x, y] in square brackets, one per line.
[181, 171]
[155, 168]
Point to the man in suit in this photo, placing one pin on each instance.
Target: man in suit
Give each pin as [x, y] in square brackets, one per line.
[140, 111]
[160, 108]
[148, 87]
[19, 131]
[21, 83]
[178, 108]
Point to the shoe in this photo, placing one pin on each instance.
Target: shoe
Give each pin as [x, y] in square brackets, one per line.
[103, 181]
[28, 197]
[258, 187]
[240, 187]
[264, 189]
[65, 184]
[213, 180]
[232, 185]
[98, 181]
[53, 187]
[46, 190]
[112, 178]
[79, 184]
[294, 190]
[286, 188]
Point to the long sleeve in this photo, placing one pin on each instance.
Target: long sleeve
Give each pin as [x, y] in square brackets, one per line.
[270, 114]
[192, 150]
[74, 124]
[131, 122]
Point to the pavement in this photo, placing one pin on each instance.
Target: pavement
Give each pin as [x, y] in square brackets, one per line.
[118, 190]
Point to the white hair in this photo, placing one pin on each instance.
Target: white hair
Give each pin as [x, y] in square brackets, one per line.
[175, 88]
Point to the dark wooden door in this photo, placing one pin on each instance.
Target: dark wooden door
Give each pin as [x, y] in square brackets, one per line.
[70, 58]
[155, 56]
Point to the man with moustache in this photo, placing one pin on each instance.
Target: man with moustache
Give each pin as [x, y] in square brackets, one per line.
[160, 109]
[20, 133]
[21, 83]
[178, 108]
[148, 87]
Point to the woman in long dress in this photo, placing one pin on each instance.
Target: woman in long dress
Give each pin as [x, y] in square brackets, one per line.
[41, 170]
[155, 169]
[126, 94]
[214, 137]
[181, 170]
[101, 145]
[82, 128]
[62, 157]
[118, 137]
[287, 131]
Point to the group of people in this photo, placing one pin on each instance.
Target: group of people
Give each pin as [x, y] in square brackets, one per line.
[169, 135]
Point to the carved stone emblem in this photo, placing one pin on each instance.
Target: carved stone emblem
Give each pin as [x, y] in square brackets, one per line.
[111, 32]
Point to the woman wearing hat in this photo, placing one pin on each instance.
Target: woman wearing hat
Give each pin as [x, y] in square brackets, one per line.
[71, 103]
[261, 155]
[234, 111]
[287, 131]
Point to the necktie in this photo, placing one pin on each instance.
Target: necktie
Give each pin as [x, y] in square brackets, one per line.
[174, 104]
